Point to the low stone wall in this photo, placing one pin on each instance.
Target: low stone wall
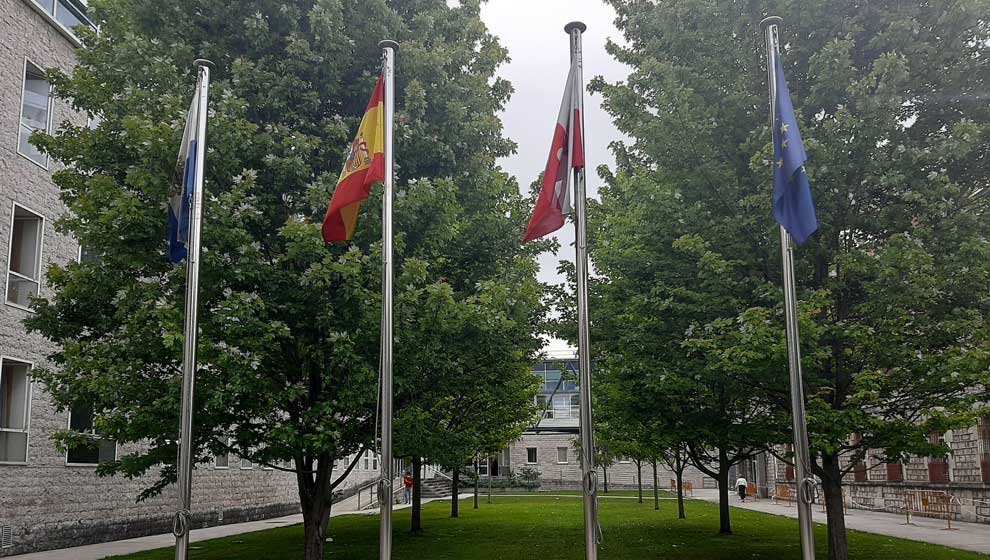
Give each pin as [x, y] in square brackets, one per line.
[969, 502]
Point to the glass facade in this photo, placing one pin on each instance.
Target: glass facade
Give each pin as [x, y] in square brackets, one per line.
[559, 396]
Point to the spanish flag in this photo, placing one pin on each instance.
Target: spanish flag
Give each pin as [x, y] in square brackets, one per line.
[364, 167]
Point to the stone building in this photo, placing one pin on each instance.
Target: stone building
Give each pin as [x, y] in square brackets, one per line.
[51, 498]
[961, 480]
[549, 445]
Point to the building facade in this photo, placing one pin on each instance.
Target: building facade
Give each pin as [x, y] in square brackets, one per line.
[51, 498]
[961, 480]
[549, 446]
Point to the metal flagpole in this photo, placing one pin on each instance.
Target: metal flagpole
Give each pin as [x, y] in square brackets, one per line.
[590, 475]
[180, 526]
[802, 456]
[385, 482]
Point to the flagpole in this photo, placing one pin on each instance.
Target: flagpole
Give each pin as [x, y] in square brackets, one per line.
[385, 481]
[180, 525]
[590, 475]
[802, 456]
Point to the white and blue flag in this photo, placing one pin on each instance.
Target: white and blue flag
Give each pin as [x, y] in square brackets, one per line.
[184, 184]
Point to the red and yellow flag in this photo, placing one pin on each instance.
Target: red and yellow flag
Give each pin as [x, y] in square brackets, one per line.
[364, 167]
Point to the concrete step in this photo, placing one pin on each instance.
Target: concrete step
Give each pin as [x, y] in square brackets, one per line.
[436, 488]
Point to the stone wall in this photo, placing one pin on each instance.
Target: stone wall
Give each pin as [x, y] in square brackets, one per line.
[966, 488]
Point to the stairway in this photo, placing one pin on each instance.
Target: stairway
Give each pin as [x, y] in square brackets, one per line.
[437, 487]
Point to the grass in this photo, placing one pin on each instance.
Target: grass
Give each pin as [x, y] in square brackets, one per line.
[551, 529]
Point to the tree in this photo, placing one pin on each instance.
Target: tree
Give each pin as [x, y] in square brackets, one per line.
[893, 327]
[676, 457]
[288, 350]
[479, 397]
[662, 288]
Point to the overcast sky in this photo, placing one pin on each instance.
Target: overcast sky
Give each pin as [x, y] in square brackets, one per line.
[533, 32]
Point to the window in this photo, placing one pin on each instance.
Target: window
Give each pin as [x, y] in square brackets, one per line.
[531, 455]
[246, 463]
[24, 265]
[541, 401]
[99, 450]
[87, 255]
[938, 467]
[561, 455]
[576, 406]
[859, 467]
[36, 109]
[68, 13]
[983, 437]
[15, 405]
[895, 472]
[222, 460]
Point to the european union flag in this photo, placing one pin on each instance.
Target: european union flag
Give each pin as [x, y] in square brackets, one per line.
[792, 204]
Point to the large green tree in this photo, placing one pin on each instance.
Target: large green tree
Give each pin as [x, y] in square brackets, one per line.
[288, 349]
[889, 99]
[662, 288]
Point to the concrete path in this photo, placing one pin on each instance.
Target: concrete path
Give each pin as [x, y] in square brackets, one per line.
[966, 536]
[130, 546]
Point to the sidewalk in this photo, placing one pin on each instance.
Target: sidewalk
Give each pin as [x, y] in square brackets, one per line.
[129, 546]
[969, 536]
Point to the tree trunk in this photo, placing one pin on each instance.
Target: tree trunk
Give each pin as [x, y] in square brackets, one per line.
[679, 475]
[455, 488]
[656, 488]
[477, 481]
[315, 502]
[605, 473]
[417, 496]
[315, 534]
[639, 479]
[724, 527]
[838, 546]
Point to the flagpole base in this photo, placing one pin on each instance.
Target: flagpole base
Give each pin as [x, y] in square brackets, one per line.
[579, 25]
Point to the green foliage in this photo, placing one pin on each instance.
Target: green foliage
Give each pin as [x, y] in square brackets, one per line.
[893, 301]
[289, 327]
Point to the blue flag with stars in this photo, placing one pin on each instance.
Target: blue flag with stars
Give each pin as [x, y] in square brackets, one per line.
[792, 204]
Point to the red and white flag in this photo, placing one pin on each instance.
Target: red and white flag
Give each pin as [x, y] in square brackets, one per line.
[554, 201]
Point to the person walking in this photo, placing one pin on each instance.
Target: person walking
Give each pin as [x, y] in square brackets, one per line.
[407, 481]
[741, 485]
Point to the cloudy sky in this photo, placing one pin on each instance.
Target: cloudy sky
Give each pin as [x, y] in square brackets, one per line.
[533, 32]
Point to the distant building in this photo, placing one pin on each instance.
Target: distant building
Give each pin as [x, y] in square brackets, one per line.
[549, 445]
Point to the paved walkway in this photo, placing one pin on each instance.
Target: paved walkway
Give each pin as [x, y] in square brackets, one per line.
[130, 546]
[969, 536]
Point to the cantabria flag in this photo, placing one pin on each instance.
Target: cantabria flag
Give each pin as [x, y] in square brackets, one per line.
[554, 201]
[365, 165]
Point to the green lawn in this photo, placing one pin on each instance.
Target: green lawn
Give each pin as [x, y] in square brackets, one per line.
[551, 529]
